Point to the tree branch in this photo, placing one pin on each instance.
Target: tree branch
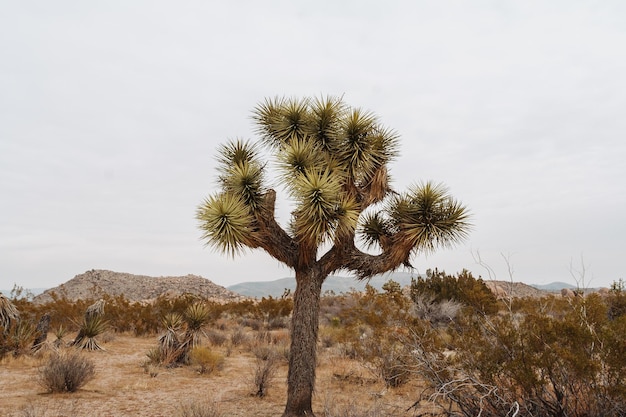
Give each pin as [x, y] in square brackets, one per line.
[345, 255]
[271, 237]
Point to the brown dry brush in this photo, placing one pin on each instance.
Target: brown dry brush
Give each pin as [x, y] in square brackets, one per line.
[66, 372]
[264, 373]
[547, 358]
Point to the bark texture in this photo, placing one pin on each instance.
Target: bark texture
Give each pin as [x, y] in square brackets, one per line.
[303, 353]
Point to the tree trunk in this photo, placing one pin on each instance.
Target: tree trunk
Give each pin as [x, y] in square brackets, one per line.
[303, 353]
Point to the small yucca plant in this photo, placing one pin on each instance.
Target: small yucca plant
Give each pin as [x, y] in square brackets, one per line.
[20, 337]
[169, 350]
[172, 322]
[90, 328]
[196, 316]
[59, 333]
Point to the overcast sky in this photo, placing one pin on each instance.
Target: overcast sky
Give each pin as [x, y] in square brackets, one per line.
[110, 113]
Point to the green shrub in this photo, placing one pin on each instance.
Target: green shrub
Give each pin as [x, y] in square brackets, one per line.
[462, 288]
[617, 300]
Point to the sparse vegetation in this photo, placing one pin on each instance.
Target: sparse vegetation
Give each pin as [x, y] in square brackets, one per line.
[548, 356]
[198, 409]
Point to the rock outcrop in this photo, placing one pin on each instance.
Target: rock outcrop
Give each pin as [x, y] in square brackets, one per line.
[97, 283]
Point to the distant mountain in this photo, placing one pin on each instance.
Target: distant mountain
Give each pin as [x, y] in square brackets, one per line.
[334, 283]
[96, 283]
[554, 286]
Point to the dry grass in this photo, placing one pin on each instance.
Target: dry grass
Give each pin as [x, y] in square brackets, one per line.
[122, 387]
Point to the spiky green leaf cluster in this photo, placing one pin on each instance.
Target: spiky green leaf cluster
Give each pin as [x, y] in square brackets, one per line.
[427, 217]
[331, 158]
[93, 326]
[196, 316]
[226, 222]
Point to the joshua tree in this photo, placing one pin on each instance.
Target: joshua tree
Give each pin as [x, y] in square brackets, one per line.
[332, 160]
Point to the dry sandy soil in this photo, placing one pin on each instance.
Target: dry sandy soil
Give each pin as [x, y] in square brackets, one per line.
[122, 387]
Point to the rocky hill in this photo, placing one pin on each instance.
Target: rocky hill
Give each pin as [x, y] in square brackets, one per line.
[96, 283]
[503, 289]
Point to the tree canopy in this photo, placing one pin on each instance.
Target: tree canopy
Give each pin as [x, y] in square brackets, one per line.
[333, 161]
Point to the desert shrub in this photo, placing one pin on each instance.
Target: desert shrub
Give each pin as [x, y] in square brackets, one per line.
[242, 308]
[387, 359]
[272, 308]
[66, 372]
[238, 337]
[216, 337]
[254, 324]
[616, 300]
[369, 331]
[264, 373]
[206, 360]
[263, 336]
[438, 313]
[63, 312]
[462, 288]
[330, 306]
[198, 409]
[329, 335]
[560, 358]
[376, 309]
[263, 351]
[139, 318]
[17, 339]
[278, 323]
[164, 357]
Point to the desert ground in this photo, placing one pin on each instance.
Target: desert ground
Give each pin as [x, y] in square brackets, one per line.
[123, 386]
